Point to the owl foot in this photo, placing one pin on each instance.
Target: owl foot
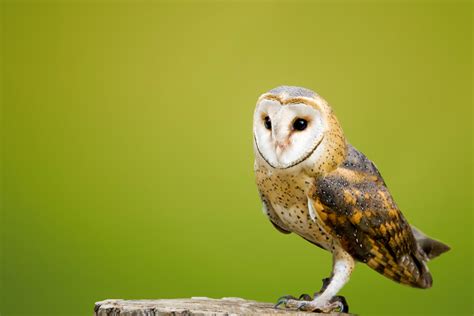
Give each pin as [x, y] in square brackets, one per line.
[335, 304]
[306, 303]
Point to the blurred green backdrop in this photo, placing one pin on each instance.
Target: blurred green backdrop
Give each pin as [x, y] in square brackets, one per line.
[127, 161]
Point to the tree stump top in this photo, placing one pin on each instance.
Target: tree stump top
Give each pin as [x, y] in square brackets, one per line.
[191, 306]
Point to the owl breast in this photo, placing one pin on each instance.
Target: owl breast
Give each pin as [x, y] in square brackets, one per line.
[287, 195]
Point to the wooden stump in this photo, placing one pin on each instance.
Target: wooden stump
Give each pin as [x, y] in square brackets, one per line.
[191, 306]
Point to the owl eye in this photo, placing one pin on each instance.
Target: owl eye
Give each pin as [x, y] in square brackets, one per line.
[267, 123]
[300, 124]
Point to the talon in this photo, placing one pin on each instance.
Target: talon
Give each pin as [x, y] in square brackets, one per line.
[305, 297]
[302, 306]
[284, 300]
[341, 303]
[287, 297]
[279, 302]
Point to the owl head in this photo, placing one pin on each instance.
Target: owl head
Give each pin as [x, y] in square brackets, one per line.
[295, 127]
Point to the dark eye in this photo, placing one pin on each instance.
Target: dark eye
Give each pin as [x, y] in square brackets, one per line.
[267, 122]
[300, 124]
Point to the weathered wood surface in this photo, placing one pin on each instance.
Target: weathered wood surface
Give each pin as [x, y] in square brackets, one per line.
[191, 306]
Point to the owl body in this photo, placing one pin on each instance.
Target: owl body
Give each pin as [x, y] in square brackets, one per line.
[312, 182]
[285, 202]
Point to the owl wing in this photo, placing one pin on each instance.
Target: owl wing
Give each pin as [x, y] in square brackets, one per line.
[356, 207]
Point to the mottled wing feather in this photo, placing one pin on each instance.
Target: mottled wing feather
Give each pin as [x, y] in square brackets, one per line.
[357, 208]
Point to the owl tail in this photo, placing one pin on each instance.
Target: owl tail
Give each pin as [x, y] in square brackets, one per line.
[432, 248]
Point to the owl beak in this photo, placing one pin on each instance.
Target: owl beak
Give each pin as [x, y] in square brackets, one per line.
[282, 145]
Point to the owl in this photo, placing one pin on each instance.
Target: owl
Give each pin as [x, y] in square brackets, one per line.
[315, 184]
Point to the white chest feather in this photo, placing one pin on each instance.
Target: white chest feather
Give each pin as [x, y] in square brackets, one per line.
[302, 220]
[287, 196]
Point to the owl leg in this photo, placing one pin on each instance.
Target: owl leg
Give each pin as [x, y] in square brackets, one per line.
[326, 300]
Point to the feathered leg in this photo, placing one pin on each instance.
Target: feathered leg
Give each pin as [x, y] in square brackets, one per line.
[326, 300]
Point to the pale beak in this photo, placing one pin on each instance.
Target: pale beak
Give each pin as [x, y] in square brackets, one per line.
[282, 145]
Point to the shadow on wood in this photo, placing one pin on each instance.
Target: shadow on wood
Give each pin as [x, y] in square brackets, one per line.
[191, 306]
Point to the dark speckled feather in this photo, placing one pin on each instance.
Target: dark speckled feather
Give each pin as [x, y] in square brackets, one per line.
[357, 208]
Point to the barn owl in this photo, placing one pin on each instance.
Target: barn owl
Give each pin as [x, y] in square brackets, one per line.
[312, 182]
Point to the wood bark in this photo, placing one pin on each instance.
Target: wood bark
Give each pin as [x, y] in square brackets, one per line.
[201, 306]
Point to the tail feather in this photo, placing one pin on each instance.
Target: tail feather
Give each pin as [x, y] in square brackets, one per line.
[431, 247]
[410, 269]
[425, 279]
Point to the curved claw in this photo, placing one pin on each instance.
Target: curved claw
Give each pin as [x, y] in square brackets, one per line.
[341, 303]
[305, 297]
[284, 299]
[302, 306]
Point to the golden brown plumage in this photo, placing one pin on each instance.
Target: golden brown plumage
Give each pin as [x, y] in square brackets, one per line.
[357, 208]
[314, 183]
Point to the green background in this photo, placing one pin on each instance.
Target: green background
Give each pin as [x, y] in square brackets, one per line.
[127, 162]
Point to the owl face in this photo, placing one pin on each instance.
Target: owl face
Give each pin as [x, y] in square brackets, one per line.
[287, 131]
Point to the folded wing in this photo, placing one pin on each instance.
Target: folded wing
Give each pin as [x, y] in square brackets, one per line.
[356, 207]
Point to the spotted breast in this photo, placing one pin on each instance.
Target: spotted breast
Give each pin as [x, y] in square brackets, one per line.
[285, 202]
